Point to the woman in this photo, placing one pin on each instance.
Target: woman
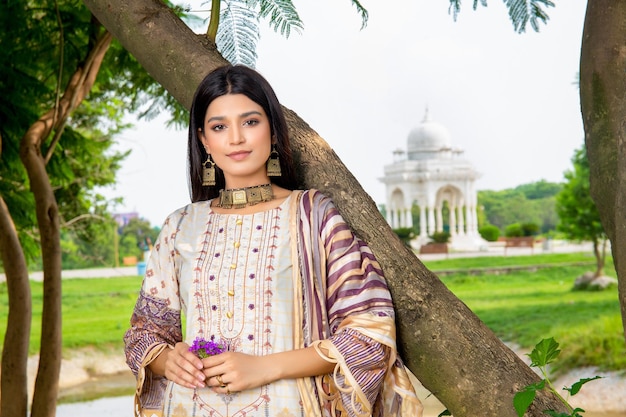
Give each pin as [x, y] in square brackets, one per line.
[274, 276]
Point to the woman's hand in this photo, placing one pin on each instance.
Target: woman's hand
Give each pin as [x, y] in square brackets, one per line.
[232, 371]
[181, 366]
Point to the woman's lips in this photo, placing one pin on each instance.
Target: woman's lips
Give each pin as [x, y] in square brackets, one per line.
[238, 156]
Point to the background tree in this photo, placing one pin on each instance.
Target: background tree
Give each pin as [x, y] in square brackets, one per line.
[54, 153]
[454, 354]
[579, 216]
[602, 87]
[136, 238]
[526, 203]
[34, 124]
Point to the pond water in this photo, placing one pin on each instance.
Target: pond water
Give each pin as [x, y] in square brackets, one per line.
[118, 400]
[122, 406]
[103, 407]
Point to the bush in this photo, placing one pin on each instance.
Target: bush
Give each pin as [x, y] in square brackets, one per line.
[406, 234]
[530, 229]
[489, 232]
[440, 237]
[514, 230]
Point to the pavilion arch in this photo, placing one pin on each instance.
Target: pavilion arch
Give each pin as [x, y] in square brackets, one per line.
[432, 175]
[399, 210]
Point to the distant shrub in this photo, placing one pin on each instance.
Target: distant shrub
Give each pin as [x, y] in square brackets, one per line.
[530, 229]
[406, 234]
[514, 230]
[489, 232]
[440, 237]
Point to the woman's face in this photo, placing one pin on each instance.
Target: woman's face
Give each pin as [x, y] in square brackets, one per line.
[237, 134]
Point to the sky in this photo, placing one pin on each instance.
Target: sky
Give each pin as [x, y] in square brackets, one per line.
[509, 100]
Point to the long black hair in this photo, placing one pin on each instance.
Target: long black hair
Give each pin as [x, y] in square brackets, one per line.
[235, 79]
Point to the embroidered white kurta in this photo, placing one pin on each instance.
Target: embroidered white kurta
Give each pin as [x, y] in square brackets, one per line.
[235, 286]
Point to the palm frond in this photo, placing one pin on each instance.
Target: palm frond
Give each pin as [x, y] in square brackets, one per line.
[523, 11]
[455, 7]
[363, 12]
[282, 15]
[238, 33]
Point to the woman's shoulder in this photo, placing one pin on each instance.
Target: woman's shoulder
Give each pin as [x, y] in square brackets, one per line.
[316, 194]
[314, 199]
[189, 210]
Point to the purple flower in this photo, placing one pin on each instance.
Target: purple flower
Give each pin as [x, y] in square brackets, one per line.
[204, 348]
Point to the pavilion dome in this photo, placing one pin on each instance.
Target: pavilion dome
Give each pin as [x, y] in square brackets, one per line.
[428, 136]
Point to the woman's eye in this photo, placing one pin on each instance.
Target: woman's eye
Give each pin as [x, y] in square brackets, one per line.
[216, 128]
[251, 122]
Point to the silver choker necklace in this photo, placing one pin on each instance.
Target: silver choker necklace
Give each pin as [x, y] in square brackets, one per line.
[242, 197]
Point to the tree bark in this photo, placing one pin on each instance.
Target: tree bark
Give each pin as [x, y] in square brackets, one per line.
[14, 374]
[449, 349]
[47, 381]
[599, 254]
[46, 384]
[603, 105]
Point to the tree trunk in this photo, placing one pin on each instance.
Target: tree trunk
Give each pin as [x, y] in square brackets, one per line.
[14, 374]
[47, 381]
[450, 350]
[603, 105]
[46, 384]
[599, 255]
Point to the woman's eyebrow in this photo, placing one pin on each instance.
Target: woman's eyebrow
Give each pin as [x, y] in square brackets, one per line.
[242, 115]
[250, 113]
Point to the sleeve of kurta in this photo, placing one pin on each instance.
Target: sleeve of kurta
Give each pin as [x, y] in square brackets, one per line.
[156, 320]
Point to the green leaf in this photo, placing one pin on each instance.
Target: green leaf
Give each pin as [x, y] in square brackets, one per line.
[283, 16]
[521, 12]
[523, 399]
[444, 413]
[238, 34]
[544, 352]
[578, 385]
[364, 15]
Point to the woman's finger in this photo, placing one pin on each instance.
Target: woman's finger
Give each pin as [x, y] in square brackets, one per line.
[182, 368]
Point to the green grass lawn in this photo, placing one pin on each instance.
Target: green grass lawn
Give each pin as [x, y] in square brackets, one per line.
[524, 307]
[96, 312]
[521, 307]
[501, 261]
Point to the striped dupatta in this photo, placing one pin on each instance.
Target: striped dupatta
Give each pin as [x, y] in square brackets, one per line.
[342, 306]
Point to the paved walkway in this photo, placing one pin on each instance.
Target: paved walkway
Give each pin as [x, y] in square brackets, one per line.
[493, 250]
[87, 273]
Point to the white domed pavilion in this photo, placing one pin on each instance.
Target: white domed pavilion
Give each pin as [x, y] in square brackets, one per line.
[433, 175]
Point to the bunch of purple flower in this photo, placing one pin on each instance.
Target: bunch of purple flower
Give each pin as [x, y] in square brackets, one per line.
[205, 348]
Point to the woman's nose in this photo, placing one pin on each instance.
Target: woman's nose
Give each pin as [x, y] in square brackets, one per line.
[236, 136]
